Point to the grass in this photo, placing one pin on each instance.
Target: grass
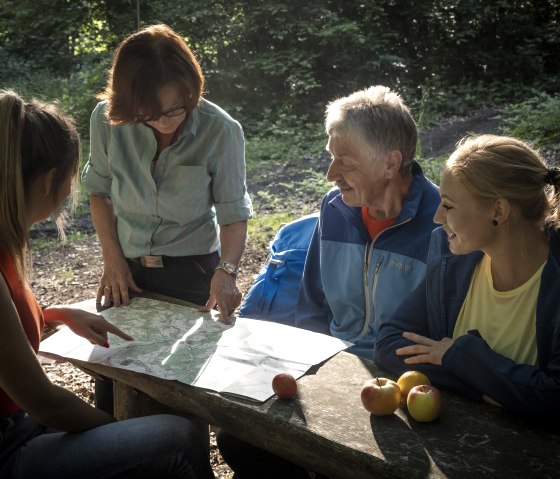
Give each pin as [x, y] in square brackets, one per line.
[262, 227]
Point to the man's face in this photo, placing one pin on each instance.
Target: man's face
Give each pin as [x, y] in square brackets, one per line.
[360, 178]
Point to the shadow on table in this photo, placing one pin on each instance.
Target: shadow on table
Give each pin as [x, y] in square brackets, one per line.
[402, 449]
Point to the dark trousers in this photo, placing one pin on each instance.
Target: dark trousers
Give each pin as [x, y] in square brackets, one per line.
[187, 278]
[252, 462]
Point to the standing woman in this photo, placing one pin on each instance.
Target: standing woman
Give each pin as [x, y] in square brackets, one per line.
[45, 430]
[166, 168]
[487, 321]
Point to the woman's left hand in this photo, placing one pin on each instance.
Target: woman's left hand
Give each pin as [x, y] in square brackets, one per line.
[225, 294]
[90, 326]
[425, 350]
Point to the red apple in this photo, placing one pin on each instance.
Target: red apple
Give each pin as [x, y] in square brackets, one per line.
[284, 386]
[381, 396]
[424, 403]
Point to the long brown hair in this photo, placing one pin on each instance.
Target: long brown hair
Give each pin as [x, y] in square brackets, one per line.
[35, 137]
[146, 61]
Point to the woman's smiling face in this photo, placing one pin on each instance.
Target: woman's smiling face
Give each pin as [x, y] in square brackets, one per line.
[466, 220]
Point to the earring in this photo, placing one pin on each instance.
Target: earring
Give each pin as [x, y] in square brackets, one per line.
[495, 222]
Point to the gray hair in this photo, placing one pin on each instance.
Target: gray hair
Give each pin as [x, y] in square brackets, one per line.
[379, 118]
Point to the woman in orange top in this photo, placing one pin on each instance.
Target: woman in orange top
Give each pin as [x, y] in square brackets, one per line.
[45, 430]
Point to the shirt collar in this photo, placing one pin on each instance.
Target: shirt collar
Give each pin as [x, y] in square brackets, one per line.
[193, 120]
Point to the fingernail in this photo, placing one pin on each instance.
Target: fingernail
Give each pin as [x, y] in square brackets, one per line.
[106, 345]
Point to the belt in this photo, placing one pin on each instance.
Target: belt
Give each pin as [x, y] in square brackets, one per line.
[157, 261]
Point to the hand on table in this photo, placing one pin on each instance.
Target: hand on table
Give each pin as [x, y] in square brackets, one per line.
[425, 350]
[225, 294]
[116, 283]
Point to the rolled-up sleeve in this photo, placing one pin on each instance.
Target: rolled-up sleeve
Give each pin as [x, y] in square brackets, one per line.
[229, 189]
[96, 176]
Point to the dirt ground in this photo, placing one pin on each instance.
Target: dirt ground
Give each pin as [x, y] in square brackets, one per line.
[70, 273]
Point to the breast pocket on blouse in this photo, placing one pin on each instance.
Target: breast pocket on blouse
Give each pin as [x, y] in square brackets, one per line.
[185, 193]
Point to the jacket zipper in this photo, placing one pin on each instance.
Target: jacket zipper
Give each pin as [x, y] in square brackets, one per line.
[368, 253]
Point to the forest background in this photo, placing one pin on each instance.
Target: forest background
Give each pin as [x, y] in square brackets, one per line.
[275, 64]
[463, 66]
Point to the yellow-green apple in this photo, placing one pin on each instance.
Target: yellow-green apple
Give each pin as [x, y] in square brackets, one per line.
[284, 386]
[424, 403]
[381, 396]
[410, 379]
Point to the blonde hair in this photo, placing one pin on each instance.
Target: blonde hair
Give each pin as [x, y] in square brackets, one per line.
[35, 138]
[380, 119]
[493, 167]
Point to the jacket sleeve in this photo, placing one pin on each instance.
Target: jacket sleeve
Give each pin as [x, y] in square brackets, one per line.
[312, 310]
[521, 388]
[411, 316]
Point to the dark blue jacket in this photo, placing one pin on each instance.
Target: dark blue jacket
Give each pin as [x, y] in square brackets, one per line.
[352, 284]
[470, 366]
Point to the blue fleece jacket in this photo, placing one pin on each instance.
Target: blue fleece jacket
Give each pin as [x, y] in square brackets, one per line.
[470, 366]
[352, 284]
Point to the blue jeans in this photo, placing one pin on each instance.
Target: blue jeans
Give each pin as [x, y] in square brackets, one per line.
[161, 446]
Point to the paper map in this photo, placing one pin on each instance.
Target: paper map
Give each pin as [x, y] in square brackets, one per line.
[177, 342]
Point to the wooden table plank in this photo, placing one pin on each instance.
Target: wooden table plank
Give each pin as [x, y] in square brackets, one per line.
[327, 430]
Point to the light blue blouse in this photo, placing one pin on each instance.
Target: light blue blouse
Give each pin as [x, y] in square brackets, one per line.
[174, 206]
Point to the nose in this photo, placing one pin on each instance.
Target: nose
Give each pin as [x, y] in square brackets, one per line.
[164, 121]
[332, 172]
[439, 215]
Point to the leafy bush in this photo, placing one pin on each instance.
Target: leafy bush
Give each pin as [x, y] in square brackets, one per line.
[536, 120]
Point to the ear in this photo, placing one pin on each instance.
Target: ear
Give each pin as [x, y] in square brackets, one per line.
[46, 182]
[393, 163]
[502, 210]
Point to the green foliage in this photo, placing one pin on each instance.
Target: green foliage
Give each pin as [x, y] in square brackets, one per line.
[433, 168]
[264, 226]
[281, 138]
[536, 120]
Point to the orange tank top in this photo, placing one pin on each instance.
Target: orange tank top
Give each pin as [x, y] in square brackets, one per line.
[30, 315]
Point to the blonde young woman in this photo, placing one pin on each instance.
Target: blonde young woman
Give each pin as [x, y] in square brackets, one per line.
[487, 320]
[45, 430]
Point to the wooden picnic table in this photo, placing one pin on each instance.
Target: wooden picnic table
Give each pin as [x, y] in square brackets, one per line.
[327, 430]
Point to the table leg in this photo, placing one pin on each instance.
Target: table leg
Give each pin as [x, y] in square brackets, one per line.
[130, 402]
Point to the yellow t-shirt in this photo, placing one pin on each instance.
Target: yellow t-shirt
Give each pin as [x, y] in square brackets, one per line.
[505, 319]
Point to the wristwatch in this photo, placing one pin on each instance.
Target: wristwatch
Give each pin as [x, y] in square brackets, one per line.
[229, 268]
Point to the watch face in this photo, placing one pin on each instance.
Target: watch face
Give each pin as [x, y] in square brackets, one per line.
[228, 268]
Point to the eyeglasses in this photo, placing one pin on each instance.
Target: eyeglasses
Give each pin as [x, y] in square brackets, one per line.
[173, 112]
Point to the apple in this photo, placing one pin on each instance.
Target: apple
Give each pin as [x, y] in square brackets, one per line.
[410, 379]
[424, 403]
[381, 396]
[284, 386]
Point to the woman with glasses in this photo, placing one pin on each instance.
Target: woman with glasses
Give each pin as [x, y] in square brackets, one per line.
[166, 179]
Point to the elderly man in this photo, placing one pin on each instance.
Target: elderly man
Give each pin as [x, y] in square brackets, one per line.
[370, 245]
